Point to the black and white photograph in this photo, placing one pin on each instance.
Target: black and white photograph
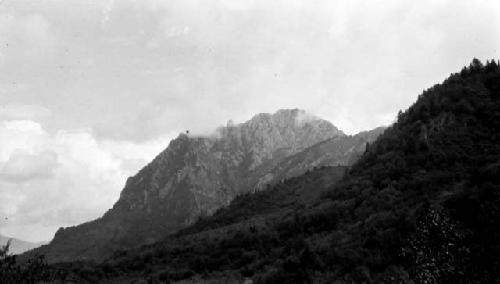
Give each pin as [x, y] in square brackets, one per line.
[249, 141]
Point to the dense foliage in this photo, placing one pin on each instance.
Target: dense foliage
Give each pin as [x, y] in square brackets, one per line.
[424, 199]
[421, 205]
[34, 270]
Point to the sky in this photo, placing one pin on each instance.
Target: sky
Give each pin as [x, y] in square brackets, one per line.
[90, 91]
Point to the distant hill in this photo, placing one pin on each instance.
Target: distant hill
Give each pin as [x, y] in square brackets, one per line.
[19, 246]
[422, 205]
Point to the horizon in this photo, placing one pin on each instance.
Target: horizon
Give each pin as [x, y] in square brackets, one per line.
[91, 95]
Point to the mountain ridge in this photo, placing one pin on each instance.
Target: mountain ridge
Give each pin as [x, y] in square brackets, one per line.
[195, 176]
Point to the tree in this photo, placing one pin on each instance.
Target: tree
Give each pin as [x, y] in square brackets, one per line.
[9, 270]
[34, 270]
[476, 65]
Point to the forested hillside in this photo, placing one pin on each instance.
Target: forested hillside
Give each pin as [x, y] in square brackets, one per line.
[422, 205]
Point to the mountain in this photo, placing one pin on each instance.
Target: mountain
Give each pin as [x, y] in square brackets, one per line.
[422, 205]
[336, 151]
[194, 176]
[18, 246]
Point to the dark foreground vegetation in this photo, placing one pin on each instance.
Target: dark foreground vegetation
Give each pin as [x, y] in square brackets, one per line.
[422, 205]
[32, 271]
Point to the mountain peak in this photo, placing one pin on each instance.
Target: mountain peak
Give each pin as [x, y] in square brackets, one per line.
[287, 117]
[292, 120]
[196, 175]
[266, 136]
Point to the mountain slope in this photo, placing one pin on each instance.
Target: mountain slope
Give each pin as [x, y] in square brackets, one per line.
[272, 203]
[422, 205]
[195, 176]
[336, 151]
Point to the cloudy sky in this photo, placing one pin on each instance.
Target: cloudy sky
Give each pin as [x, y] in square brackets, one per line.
[92, 90]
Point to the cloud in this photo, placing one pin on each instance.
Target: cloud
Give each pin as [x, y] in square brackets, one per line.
[304, 117]
[22, 167]
[23, 111]
[157, 66]
[25, 135]
[62, 179]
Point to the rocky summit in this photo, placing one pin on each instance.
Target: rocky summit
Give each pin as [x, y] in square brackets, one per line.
[194, 176]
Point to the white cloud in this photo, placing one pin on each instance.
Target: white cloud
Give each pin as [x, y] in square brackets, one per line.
[48, 181]
[24, 135]
[22, 167]
[236, 58]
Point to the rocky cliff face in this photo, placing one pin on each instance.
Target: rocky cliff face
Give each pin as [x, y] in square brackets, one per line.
[194, 176]
[336, 151]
